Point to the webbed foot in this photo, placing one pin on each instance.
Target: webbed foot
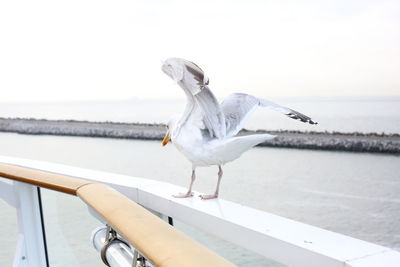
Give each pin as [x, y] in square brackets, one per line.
[205, 197]
[183, 195]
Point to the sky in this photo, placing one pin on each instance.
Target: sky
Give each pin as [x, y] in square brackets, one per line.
[112, 50]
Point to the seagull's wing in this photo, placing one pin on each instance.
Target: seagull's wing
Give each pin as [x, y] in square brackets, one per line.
[237, 107]
[202, 108]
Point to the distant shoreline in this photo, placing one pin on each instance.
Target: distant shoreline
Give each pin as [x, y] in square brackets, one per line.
[355, 142]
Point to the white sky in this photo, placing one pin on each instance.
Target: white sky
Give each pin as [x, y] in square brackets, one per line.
[95, 50]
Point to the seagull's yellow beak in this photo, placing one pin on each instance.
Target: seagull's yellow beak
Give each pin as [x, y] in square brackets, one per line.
[166, 139]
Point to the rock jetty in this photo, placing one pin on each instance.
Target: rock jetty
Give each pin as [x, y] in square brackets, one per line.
[355, 142]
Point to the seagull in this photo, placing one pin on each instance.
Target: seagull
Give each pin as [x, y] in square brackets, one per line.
[206, 132]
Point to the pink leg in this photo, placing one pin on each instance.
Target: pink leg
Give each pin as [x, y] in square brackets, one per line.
[205, 197]
[189, 192]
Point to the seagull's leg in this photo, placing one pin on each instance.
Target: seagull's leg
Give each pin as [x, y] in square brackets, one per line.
[220, 172]
[189, 192]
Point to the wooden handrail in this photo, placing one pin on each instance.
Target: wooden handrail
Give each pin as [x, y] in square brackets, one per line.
[161, 243]
[54, 181]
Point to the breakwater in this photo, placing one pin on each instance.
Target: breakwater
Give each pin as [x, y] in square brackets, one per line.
[356, 142]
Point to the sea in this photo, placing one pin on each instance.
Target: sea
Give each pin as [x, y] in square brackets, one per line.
[356, 194]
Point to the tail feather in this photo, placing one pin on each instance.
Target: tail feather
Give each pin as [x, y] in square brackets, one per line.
[234, 147]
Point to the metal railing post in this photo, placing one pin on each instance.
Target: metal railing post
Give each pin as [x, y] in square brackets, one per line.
[31, 250]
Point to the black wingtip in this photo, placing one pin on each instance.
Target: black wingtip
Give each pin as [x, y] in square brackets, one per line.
[303, 118]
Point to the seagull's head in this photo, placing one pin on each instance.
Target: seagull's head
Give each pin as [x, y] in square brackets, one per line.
[174, 68]
[171, 126]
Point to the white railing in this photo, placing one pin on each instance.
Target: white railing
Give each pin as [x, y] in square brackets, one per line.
[283, 240]
[30, 250]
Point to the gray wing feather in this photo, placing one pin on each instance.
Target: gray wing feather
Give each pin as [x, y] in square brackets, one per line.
[207, 109]
[213, 117]
[293, 114]
[237, 107]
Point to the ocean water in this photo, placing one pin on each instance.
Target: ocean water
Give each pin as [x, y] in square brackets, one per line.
[356, 194]
[342, 114]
